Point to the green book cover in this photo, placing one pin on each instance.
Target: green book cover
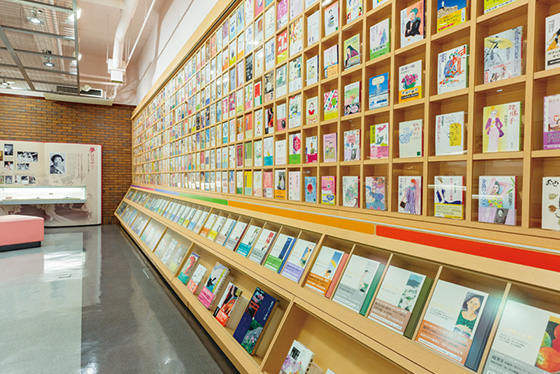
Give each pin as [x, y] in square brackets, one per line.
[372, 289]
[418, 307]
[294, 159]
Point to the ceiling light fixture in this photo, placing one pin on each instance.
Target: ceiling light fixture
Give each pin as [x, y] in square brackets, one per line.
[6, 84]
[34, 18]
[47, 60]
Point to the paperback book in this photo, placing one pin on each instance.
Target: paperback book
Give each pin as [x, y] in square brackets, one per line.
[312, 65]
[410, 195]
[295, 74]
[352, 98]
[196, 278]
[352, 145]
[281, 119]
[449, 201]
[262, 246]
[312, 112]
[268, 87]
[225, 231]
[294, 111]
[410, 82]
[231, 306]
[188, 268]
[450, 134]
[282, 47]
[236, 233]
[280, 184]
[330, 61]
[279, 252]
[215, 281]
[490, 5]
[329, 147]
[450, 13]
[379, 141]
[294, 156]
[503, 55]
[280, 151]
[453, 69]
[257, 184]
[379, 39]
[375, 193]
[350, 191]
[352, 51]
[328, 190]
[269, 55]
[552, 42]
[379, 91]
[296, 36]
[313, 30]
[298, 360]
[330, 105]
[282, 13]
[328, 265]
[551, 203]
[268, 151]
[281, 81]
[310, 189]
[246, 244]
[268, 187]
[331, 19]
[551, 122]
[298, 259]
[410, 139]
[497, 199]
[294, 185]
[412, 24]
[502, 128]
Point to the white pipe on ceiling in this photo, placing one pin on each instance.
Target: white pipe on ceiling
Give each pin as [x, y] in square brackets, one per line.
[124, 22]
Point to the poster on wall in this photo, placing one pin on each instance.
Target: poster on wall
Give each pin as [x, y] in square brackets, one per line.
[34, 164]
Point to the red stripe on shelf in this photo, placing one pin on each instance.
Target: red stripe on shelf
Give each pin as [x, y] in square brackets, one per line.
[535, 259]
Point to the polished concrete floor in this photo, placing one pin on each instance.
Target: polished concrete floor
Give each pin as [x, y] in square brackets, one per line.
[88, 302]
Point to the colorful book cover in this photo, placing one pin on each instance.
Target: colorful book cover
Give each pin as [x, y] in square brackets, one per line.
[208, 225]
[330, 61]
[376, 193]
[453, 69]
[551, 122]
[268, 151]
[350, 191]
[268, 87]
[352, 145]
[258, 123]
[310, 189]
[410, 195]
[239, 155]
[412, 24]
[262, 246]
[298, 259]
[248, 240]
[450, 13]
[360, 280]
[490, 5]
[281, 81]
[449, 201]
[379, 39]
[214, 282]
[196, 278]
[254, 320]
[497, 199]
[235, 235]
[226, 230]
[329, 147]
[268, 187]
[331, 19]
[280, 184]
[227, 303]
[397, 298]
[248, 183]
[259, 7]
[295, 74]
[269, 124]
[503, 55]
[452, 319]
[188, 268]
[328, 190]
[379, 91]
[257, 184]
[312, 65]
[379, 141]
[330, 105]
[518, 346]
[279, 252]
[352, 98]
[258, 148]
[282, 13]
[313, 30]
[311, 149]
[311, 112]
[249, 97]
[323, 269]
[551, 203]
[354, 9]
[298, 360]
[248, 126]
[450, 134]
[296, 36]
[410, 82]
[502, 128]
[280, 152]
[259, 31]
[352, 55]
[239, 179]
[294, 185]
[294, 111]
[410, 139]
[552, 42]
[282, 47]
[294, 156]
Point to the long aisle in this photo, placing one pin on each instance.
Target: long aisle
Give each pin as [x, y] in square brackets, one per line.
[87, 302]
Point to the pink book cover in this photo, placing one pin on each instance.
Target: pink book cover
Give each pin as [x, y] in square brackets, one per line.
[337, 275]
[329, 147]
[267, 184]
[240, 155]
[206, 297]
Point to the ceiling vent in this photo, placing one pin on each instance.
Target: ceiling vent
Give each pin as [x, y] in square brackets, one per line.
[67, 90]
[90, 92]
[93, 92]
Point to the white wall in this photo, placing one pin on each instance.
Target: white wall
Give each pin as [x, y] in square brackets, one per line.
[175, 24]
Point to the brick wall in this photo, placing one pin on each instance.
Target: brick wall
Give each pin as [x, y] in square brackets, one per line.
[36, 119]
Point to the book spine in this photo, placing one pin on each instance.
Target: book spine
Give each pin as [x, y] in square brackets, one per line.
[483, 331]
[336, 276]
[374, 283]
[418, 307]
[288, 252]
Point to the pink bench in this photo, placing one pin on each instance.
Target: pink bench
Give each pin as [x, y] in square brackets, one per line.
[19, 232]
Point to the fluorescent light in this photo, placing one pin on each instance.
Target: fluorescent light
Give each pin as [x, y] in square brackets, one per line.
[48, 64]
[34, 18]
[78, 13]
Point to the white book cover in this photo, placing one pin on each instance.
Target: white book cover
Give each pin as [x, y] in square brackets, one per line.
[258, 149]
[526, 341]
[278, 252]
[298, 259]
[331, 18]
[502, 128]
[294, 186]
[296, 7]
[200, 222]
[294, 111]
[497, 199]
[257, 184]
[259, 63]
[503, 55]
[410, 195]
[281, 81]
[356, 282]
[551, 203]
[296, 37]
[450, 134]
[248, 240]
[295, 77]
[322, 272]
[280, 152]
[396, 298]
[453, 313]
[268, 151]
[449, 199]
[453, 69]
[262, 246]
[312, 70]
[235, 235]
[258, 123]
[312, 111]
[216, 228]
[208, 225]
[352, 145]
[225, 231]
[294, 148]
[379, 39]
[552, 41]
[351, 191]
[239, 181]
[269, 53]
[313, 31]
[196, 278]
[410, 139]
[224, 181]
[298, 359]
[269, 23]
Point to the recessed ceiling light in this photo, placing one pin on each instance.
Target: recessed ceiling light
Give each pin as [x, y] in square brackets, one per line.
[34, 18]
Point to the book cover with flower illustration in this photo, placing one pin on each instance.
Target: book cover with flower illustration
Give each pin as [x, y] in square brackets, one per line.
[375, 193]
[330, 105]
[410, 82]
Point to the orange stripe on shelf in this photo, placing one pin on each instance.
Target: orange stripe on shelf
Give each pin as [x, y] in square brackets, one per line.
[346, 224]
[520, 256]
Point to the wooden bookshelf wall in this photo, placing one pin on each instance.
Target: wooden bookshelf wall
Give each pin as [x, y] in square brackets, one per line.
[342, 339]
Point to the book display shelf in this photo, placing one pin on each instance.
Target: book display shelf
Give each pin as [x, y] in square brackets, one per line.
[342, 339]
[400, 133]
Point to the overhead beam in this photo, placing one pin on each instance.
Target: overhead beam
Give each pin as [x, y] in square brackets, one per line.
[33, 32]
[35, 53]
[38, 69]
[41, 5]
[15, 57]
[36, 81]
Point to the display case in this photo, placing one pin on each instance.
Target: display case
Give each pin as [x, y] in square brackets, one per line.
[42, 195]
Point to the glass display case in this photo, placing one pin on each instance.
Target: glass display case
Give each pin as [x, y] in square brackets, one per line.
[42, 195]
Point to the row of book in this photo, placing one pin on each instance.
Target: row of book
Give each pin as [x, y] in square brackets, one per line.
[456, 323]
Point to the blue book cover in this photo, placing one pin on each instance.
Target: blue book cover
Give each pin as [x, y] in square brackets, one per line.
[379, 91]
[310, 189]
[254, 320]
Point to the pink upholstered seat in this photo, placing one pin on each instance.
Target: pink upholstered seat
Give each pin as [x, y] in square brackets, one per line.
[17, 229]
